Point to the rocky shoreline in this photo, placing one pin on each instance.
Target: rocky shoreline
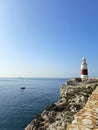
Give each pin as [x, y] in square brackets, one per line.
[73, 97]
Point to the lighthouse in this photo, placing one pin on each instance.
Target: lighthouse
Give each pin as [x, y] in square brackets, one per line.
[84, 69]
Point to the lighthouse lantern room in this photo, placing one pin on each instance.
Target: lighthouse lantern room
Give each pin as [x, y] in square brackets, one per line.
[84, 68]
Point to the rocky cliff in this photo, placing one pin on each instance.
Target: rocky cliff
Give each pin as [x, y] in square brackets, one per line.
[73, 97]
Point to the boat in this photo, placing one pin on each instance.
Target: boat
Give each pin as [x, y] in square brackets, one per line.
[22, 87]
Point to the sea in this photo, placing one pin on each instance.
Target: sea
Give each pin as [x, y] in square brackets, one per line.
[19, 107]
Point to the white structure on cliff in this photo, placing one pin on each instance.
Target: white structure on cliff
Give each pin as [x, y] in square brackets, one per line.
[84, 69]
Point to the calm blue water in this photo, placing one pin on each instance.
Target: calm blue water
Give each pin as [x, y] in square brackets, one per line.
[18, 107]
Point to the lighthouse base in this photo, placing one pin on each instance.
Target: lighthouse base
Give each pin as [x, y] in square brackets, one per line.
[84, 76]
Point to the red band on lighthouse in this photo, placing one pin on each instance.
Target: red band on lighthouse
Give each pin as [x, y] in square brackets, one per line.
[84, 72]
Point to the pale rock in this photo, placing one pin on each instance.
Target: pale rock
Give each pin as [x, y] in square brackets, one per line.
[87, 121]
[85, 128]
[51, 129]
[96, 110]
[61, 102]
[73, 129]
[77, 99]
[75, 122]
[60, 128]
[63, 124]
[91, 126]
[82, 98]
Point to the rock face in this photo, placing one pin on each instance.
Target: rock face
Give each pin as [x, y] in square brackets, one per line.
[73, 97]
[87, 118]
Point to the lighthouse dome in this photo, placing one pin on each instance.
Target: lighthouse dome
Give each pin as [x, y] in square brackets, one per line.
[84, 58]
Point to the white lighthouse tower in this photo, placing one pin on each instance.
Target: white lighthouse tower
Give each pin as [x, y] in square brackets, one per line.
[84, 69]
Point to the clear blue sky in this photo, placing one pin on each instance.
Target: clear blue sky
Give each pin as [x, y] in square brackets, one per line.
[48, 38]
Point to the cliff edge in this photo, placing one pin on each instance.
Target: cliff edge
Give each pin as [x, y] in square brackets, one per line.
[73, 97]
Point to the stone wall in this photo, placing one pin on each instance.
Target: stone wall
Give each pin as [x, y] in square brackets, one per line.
[87, 118]
[73, 97]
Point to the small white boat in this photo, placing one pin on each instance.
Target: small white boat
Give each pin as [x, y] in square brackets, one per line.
[22, 87]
